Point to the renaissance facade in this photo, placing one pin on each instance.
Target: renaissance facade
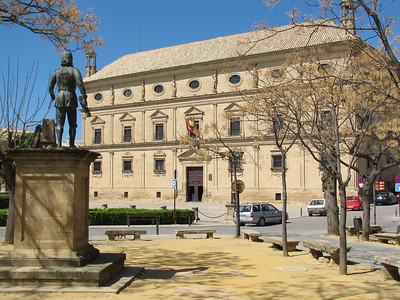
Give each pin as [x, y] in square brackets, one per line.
[140, 104]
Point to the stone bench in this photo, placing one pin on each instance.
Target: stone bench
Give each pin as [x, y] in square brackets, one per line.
[317, 247]
[277, 243]
[386, 237]
[372, 229]
[180, 233]
[390, 266]
[112, 234]
[251, 234]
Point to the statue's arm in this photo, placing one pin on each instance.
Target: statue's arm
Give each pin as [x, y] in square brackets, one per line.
[52, 83]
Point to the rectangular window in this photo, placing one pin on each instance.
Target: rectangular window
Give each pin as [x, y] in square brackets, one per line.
[97, 167]
[276, 161]
[159, 165]
[127, 133]
[127, 165]
[97, 136]
[159, 131]
[234, 127]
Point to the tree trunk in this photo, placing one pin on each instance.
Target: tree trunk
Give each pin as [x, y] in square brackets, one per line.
[284, 206]
[329, 188]
[9, 178]
[367, 197]
[342, 230]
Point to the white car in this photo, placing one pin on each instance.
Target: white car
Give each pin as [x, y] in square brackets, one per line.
[259, 214]
[317, 206]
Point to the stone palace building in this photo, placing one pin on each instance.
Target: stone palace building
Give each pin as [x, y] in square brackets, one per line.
[141, 101]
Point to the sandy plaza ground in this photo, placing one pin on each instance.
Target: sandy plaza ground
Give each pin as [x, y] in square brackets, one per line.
[228, 268]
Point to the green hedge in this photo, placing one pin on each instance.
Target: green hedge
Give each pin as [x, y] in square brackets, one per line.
[3, 200]
[3, 217]
[117, 216]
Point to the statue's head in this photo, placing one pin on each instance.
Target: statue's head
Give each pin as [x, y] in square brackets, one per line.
[66, 59]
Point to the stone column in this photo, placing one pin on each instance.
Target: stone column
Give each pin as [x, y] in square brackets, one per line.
[51, 207]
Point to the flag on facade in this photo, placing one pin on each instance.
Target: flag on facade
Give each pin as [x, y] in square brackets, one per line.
[190, 124]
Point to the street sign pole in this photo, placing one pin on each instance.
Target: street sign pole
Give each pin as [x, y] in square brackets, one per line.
[373, 197]
[174, 187]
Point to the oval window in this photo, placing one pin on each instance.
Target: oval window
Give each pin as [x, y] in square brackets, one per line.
[194, 84]
[235, 79]
[158, 89]
[127, 93]
[98, 96]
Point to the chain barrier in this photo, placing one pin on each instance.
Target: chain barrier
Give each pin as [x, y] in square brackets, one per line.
[212, 217]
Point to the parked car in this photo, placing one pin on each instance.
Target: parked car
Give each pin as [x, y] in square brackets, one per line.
[385, 198]
[317, 206]
[354, 203]
[259, 214]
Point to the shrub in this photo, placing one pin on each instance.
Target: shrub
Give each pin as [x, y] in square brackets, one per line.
[3, 217]
[117, 216]
[4, 200]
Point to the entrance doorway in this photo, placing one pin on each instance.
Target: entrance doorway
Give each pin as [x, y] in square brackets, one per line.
[194, 189]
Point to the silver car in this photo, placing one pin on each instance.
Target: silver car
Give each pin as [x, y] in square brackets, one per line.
[260, 214]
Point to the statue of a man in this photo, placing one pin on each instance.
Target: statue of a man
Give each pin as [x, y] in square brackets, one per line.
[68, 79]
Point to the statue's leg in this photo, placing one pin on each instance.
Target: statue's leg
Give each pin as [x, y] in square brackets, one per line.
[72, 126]
[60, 120]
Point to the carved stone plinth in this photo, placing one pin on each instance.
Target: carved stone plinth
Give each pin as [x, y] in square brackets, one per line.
[51, 208]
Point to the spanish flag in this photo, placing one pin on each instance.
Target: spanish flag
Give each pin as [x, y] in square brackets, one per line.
[190, 125]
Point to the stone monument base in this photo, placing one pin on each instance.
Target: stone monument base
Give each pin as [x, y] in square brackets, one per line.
[95, 274]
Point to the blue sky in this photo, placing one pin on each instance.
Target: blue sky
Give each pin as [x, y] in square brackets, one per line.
[128, 26]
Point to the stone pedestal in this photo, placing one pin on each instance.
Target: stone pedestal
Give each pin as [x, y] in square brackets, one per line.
[51, 207]
[230, 210]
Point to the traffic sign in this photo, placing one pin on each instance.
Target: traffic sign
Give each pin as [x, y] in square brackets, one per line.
[174, 184]
[239, 185]
[397, 178]
[361, 180]
[397, 187]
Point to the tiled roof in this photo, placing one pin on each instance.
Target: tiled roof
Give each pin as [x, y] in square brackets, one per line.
[251, 43]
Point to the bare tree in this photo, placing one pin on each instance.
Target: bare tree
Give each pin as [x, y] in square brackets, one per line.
[210, 143]
[59, 22]
[19, 115]
[270, 117]
[370, 19]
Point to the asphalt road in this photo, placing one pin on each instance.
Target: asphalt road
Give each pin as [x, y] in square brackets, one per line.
[298, 227]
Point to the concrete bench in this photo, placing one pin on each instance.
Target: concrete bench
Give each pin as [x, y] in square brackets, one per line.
[372, 229]
[276, 242]
[386, 237]
[112, 234]
[251, 234]
[390, 266]
[317, 247]
[180, 233]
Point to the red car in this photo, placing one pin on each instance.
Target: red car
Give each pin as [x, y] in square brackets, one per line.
[354, 203]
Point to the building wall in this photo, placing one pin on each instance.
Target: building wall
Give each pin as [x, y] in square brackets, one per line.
[208, 103]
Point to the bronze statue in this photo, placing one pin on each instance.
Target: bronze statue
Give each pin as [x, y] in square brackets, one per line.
[68, 79]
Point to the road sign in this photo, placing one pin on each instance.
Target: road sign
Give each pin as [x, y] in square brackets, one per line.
[240, 186]
[397, 178]
[397, 187]
[361, 180]
[174, 184]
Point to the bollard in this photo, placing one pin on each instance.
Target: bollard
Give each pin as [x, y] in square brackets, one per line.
[196, 213]
[301, 211]
[395, 212]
